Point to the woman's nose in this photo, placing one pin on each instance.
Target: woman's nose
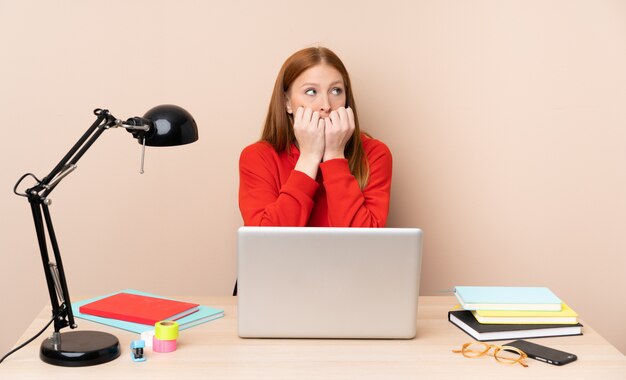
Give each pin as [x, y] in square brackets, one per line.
[324, 106]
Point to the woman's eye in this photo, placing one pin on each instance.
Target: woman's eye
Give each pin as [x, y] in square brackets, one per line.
[336, 91]
[310, 91]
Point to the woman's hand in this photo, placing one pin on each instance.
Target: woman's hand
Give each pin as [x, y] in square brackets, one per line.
[339, 127]
[308, 128]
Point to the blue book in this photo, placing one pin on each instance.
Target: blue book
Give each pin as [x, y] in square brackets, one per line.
[204, 314]
[507, 298]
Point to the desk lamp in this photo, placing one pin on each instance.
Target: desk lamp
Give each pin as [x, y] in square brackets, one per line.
[165, 125]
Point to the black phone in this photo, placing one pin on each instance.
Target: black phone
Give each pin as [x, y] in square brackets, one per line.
[543, 353]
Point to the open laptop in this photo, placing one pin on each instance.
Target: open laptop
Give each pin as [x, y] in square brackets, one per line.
[310, 282]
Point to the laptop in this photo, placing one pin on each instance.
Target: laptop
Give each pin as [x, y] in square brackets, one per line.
[320, 282]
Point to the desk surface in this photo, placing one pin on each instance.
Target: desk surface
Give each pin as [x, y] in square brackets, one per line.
[214, 351]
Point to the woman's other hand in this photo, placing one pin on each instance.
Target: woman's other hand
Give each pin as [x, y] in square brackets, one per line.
[309, 128]
[339, 127]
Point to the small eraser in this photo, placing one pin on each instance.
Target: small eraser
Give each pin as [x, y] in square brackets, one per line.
[147, 337]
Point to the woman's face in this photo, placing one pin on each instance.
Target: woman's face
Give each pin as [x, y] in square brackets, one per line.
[320, 88]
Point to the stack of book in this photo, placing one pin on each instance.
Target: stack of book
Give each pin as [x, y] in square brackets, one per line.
[137, 311]
[497, 313]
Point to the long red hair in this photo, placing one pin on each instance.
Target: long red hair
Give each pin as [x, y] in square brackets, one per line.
[278, 130]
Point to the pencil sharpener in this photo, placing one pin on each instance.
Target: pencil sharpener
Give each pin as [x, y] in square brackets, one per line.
[136, 350]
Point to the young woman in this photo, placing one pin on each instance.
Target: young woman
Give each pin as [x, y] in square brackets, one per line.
[313, 166]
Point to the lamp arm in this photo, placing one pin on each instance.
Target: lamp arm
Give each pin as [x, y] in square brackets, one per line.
[68, 167]
[102, 115]
[68, 163]
[55, 276]
[37, 197]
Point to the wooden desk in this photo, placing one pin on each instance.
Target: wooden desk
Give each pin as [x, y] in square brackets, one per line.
[213, 351]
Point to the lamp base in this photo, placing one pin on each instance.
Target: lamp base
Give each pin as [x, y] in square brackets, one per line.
[80, 349]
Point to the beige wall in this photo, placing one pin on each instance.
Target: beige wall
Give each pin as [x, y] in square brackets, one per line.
[507, 122]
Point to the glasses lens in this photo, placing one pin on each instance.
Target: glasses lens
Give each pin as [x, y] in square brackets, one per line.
[476, 349]
[509, 356]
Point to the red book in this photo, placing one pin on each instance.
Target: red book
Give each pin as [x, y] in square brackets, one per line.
[139, 309]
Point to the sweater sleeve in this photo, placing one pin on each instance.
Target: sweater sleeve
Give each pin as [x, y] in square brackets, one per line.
[348, 206]
[262, 200]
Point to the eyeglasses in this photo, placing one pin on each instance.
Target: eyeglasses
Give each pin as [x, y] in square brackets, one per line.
[503, 354]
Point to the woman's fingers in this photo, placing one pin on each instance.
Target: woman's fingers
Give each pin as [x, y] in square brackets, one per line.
[350, 113]
[314, 120]
[321, 124]
[334, 117]
[342, 118]
[342, 114]
[339, 129]
[306, 117]
[309, 135]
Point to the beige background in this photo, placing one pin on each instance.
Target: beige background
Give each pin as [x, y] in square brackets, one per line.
[506, 120]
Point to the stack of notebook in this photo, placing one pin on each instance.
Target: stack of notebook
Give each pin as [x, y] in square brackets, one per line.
[496, 313]
[137, 311]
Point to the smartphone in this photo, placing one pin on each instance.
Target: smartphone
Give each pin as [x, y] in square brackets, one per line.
[543, 353]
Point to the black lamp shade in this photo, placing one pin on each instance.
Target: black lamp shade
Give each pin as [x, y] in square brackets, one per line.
[171, 125]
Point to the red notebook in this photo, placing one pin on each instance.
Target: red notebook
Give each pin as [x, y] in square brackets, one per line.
[139, 309]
